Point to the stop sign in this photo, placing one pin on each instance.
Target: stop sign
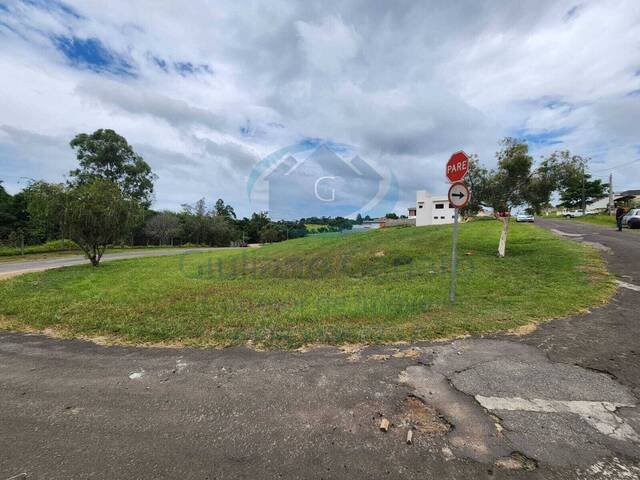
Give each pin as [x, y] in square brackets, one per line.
[457, 166]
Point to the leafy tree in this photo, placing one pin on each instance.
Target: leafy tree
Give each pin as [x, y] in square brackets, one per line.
[106, 155]
[391, 215]
[476, 179]
[221, 231]
[46, 207]
[194, 222]
[97, 215]
[163, 227]
[254, 225]
[515, 182]
[270, 234]
[571, 195]
[7, 218]
[359, 219]
[223, 210]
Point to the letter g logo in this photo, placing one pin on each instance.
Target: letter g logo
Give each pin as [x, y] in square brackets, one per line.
[321, 198]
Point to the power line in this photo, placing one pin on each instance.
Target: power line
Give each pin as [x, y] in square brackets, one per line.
[616, 166]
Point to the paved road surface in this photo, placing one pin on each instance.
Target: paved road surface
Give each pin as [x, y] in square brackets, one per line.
[560, 402]
[16, 268]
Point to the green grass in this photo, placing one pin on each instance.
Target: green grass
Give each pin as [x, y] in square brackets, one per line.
[602, 220]
[379, 286]
[48, 247]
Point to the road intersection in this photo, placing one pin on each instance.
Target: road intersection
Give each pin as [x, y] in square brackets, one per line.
[558, 402]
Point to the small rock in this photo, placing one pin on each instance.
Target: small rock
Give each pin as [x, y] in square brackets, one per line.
[384, 425]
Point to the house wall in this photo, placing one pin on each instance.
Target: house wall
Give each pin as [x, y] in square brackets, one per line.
[427, 212]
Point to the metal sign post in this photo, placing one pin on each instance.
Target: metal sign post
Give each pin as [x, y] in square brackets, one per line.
[454, 266]
[459, 195]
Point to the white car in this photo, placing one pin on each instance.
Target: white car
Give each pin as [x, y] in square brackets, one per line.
[578, 213]
[524, 217]
[633, 213]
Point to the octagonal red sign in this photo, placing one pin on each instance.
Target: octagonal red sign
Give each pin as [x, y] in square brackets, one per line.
[457, 166]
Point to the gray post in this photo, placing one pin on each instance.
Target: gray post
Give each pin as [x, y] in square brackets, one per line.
[611, 209]
[452, 291]
[584, 200]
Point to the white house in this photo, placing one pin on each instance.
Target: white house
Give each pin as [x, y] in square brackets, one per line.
[432, 210]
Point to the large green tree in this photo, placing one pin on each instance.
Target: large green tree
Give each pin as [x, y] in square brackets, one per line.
[574, 192]
[46, 206]
[7, 219]
[98, 214]
[106, 155]
[516, 182]
[163, 227]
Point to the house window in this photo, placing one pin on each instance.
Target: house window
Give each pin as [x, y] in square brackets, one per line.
[439, 205]
[451, 206]
[419, 206]
[442, 218]
[435, 218]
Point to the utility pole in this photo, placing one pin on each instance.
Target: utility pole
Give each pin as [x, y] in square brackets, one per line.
[611, 193]
[584, 200]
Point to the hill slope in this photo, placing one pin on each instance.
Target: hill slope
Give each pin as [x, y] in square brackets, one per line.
[377, 286]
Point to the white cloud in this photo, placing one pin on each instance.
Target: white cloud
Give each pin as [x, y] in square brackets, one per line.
[405, 83]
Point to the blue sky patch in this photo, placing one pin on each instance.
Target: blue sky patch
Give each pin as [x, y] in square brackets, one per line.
[53, 6]
[188, 68]
[547, 137]
[160, 63]
[92, 54]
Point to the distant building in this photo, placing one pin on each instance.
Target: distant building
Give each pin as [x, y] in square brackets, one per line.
[622, 198]
[432, 210]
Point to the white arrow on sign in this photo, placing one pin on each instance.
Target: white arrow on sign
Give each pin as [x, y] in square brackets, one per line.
[459, 195]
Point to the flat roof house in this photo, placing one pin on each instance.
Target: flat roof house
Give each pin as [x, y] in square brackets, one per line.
[432, 209]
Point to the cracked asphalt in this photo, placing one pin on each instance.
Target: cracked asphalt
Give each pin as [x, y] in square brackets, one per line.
[560, 402]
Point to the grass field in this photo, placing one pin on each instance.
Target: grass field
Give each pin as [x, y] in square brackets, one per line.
[379, 286]
[49, 247]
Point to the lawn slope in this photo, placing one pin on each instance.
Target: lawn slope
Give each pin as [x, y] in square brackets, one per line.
[377, 286]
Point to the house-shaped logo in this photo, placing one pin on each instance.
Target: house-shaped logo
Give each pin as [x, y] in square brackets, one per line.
[321, 184]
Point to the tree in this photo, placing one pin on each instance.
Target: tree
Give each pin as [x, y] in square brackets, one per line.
[220, 231]
[194, 222]
[359, 219]
[163, 227]
[223, 210]
[476, 179]
[270, 234]
[391, 216]
[515, 182]
[254, 225]
[7, 219]
[46, 207]
[97, 214]
[574, 192]
[106, 155]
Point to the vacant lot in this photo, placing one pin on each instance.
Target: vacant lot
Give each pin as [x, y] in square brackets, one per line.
[379, 286]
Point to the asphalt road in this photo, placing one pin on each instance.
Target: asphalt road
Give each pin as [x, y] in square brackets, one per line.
[16, 268]
[560, 402]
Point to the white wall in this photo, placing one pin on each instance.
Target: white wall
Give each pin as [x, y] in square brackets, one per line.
[427, 212]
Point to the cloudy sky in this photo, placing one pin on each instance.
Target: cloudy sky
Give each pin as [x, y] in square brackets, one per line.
[205, 90]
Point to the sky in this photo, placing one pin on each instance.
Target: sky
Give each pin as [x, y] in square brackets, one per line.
[205, 91]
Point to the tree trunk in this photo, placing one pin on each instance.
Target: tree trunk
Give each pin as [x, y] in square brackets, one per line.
[502, 246]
